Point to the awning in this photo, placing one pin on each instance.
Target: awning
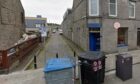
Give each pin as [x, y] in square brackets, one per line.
[94, 25]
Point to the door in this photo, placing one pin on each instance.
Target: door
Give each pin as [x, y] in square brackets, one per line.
[94, 39]
[138, 37]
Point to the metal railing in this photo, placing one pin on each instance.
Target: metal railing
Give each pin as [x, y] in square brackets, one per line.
[17, 53]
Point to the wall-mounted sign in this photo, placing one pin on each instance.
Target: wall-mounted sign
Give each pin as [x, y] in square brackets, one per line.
[117, 25]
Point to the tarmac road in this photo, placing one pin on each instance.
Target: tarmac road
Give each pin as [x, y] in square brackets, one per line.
[56, 44]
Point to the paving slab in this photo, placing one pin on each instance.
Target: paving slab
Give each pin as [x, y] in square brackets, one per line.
[112, 79]
[37, 77]
[24, 77]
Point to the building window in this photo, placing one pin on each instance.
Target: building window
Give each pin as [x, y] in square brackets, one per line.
[38, 25]
[122, 36]
[131, 9]
[112, 7]
[94, 7]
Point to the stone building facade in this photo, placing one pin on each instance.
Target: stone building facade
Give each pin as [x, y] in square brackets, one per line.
[94, 25]
[68, 24]
[36, 24]
[112, 26]
[12, 24]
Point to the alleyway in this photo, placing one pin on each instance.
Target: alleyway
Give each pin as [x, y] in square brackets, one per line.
[56, 44]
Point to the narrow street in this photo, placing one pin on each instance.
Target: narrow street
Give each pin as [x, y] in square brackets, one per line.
[56, 44]
[69, 42]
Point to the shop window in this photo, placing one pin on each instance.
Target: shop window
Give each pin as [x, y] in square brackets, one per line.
[122, 36]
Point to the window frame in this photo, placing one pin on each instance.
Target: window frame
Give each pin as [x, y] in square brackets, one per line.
[98, 9]
[116, 10]
[125, 34]
[134, 4]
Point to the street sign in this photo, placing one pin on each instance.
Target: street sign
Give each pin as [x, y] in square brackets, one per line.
[117, 25]
[43, 31]
[44, 34]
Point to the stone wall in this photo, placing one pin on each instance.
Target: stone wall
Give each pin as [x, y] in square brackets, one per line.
[109, 35]
[12, 23]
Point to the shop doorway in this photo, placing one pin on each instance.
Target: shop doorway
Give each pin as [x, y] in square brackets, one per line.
[94, 40]
[138, 37]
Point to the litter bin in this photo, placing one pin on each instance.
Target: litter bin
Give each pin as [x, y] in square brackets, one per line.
[124, 66]
[92, 67]
[59, 71]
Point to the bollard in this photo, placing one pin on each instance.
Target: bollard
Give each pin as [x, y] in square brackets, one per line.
[56, 55]
[35, 64]
[74, 54]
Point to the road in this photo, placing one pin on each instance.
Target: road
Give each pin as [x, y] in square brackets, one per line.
[56, 44]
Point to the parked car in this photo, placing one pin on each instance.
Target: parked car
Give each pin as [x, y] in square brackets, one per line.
[54, 31]
[60, 31]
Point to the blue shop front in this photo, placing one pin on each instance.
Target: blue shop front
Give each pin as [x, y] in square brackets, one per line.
[94, 36]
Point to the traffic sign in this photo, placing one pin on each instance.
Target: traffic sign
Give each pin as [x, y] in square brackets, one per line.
[117, 25]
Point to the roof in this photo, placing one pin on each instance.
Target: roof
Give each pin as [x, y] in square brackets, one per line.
[35, 18]
[56, 64]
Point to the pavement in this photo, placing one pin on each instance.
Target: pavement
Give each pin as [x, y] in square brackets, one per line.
[24, 77]
[37, 77]
[23, 64]
[112, 79]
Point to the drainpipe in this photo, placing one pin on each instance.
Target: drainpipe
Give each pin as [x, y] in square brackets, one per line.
[87, 22]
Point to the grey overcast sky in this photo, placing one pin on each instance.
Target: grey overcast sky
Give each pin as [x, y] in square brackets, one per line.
[53, 10]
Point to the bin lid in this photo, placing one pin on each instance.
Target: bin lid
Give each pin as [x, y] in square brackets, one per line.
[56, 64]
[124, 55]
[92, 55]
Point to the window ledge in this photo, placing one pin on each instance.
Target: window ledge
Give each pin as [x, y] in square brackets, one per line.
[132, 18]
[113, 17]
[122, 45]
[95, 16]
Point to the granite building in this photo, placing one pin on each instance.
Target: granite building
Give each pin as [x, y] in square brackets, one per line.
[12, 24]
[104, 25]
[67, 25]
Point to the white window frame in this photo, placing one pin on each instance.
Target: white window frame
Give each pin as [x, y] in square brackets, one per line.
[116, 10]
[90, 14]
[133, 3]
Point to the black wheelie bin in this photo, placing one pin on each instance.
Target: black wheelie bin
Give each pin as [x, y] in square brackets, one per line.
[92, 67]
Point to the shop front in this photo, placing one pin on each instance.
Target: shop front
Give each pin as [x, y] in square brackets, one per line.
[94, 36]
